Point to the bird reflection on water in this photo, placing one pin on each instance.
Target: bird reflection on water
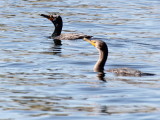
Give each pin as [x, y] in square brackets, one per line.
[56, 49]
[101, 76]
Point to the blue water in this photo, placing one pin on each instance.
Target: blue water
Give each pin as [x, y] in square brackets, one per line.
[40, 80]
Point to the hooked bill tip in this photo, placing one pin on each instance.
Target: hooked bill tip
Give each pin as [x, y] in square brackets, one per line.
[42, 15]
[45, 16]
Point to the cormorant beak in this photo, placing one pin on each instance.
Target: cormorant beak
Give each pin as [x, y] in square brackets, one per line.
[50, 17]
[92, 42]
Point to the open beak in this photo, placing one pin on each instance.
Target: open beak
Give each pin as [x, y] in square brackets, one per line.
[92, 42]
[47, 16]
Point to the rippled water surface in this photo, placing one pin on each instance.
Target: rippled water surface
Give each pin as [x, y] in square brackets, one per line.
[40, 80]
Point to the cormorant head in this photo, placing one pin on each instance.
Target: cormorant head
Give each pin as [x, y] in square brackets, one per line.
[99, 44]
[55, 18]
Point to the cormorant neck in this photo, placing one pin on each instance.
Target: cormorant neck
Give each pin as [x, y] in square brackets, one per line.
[58, 27]
[103, 54]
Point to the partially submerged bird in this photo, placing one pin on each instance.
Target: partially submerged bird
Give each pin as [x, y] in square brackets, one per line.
[103, 55]
[58, 24]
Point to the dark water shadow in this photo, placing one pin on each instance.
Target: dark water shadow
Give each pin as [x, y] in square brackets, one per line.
[101, 76]
[56, 48]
